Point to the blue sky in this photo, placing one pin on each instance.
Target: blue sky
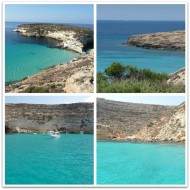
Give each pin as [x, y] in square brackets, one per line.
[61, 13]
[160, 100]
[155, 12]
[48, 99]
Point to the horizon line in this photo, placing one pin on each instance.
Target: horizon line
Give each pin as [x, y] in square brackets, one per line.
[50, 22]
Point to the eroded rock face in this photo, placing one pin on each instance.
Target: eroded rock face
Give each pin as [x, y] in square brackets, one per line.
[30, 118]
[67, 36]
[177, 78]
[170, 127]
[76, 76]
[162, 40]
[140, 122]
[118, 120]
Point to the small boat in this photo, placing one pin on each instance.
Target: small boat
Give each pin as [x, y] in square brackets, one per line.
[55, 134]
[81, 132]
[34, 133]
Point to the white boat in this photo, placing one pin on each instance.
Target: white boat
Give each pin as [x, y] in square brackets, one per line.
[81, 132]
[55, 134]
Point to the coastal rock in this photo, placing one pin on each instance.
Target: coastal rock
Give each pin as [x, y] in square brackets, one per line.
[162, 40]
[170, 127]
[119, 120]
[70, 37]
[74, 76]
[39, 118]
[177, 78]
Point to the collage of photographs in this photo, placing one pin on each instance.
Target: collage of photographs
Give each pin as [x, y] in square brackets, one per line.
[95, 94]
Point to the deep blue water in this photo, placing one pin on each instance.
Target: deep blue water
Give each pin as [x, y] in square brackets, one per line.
[140, 163]
[111, 35]
[25, 56]
[42, 159]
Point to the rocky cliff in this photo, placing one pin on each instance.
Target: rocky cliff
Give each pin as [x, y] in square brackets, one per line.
[68, 37]
[139, 122]
[162, 40]
[76, 76]
[115, 118]
[170, 127]
[39, 118]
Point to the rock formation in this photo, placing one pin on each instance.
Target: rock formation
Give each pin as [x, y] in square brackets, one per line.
[162, 40]
[170, 127]
[177, 78]
[76, 76]
[124, 117]
[67, 36]
[39, 118]
[140, 122]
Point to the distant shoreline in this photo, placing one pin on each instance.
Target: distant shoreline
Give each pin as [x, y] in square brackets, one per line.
[140, 142]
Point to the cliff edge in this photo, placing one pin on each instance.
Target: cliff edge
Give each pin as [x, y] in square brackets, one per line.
[40, 118]
[123, 121]
[68, 37]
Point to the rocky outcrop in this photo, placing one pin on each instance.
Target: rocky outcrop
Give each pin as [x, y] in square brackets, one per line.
[162, 40]
[140, 122]
[68, 37]
[177, 78]
[117, 120]
[74, 76]
[170, 127]
[39, 118]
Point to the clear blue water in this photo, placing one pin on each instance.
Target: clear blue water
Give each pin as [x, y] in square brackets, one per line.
[111, 35]
[27, 56]
[140, 163]
[41, 159]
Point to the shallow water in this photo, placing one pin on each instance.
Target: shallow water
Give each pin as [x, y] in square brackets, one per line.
[140, 163]
[25, 56]
[111, 35]
[42, 159]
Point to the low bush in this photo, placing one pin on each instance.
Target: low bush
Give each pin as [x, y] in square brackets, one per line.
[134, 80]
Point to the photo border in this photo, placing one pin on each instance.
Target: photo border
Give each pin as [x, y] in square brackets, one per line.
[95, 94]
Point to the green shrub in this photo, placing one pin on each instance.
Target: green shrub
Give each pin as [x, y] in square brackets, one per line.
[129, 79]
[116, 70]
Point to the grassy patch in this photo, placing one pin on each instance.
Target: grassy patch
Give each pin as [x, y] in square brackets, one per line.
[133, 80]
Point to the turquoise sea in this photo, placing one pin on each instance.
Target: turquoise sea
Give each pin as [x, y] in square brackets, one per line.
[111, 35]
[122, 163]
[42, 159]
[25, 56]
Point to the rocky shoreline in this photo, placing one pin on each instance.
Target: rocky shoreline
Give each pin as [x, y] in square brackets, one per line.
[74, 38]
[41, 118]
[162, 41]
[127, 122]
[76, 76]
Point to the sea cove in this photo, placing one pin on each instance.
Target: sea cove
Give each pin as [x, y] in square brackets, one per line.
[111, 35]
[42, 159]
[125, 163]
[25, 56]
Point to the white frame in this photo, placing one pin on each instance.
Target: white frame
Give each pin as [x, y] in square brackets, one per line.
[186, 94]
